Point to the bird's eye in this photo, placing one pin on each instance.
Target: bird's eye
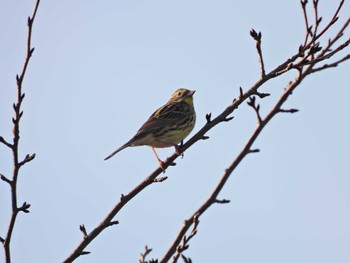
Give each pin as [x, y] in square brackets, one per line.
[179, 93]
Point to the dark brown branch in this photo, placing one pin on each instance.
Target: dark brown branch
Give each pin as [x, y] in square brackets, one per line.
[254, 150]
[27, 159]
[2, 140]
[327, 54]
[106, 222]
[145, 254]
[24, 208]
[331, 65]
[317, 20]
[289, 110]
[261, 95]
[208, 117]
[185, 240]
[83, 230]
[257, 37]
[186, 259]
[256, 107]
[331, 22]
[18, 113]
[222, 201]
[306, 21]
[5, 179]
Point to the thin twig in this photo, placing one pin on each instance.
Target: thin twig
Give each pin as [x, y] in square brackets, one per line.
[257, 37]
[2, 140]
[331, 65]
[185, 240]
[256, 107]
[307, 28]
[317, 20]
[144, 254]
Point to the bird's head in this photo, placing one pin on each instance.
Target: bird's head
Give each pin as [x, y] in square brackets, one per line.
[184, 95]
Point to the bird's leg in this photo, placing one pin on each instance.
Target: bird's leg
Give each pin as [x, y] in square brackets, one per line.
[161, 163]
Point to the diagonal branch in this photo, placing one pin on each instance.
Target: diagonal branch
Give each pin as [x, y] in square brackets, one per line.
[294, 62]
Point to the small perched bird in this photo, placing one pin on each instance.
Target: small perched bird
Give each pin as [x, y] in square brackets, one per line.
[167, 126]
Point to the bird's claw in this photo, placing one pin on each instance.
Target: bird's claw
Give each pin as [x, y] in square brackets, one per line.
[177, 150]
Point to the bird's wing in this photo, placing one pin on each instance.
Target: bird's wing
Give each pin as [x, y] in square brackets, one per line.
[167, 115]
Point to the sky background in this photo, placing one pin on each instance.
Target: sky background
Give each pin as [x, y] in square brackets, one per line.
[100, 68]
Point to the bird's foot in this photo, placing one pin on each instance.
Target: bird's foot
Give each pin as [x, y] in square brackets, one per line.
[177, 150]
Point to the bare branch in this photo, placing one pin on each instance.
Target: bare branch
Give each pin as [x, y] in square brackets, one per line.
[307, 28]
[27, 159]
[222, 201]
[185, 240]
[208, 117]
[261, 95]
[24, 208]
[186, 259]
[5, 179]
[317, 20]
[256, 107]
[2, 140]
[331, 22]
[253, 150]
[327, 53]
[257, 37]
[18, 113]
[83, 230]
[144, 255]
[332, 65]
[112, 223]
[289, 110]
[160, 179]
[240, 94]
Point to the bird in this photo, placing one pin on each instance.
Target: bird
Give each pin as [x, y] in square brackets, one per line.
[167, 126]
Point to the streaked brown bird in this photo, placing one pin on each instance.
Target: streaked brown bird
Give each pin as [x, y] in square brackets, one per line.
[167, 126]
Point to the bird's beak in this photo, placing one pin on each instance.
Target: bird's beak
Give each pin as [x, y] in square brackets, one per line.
[191, 93]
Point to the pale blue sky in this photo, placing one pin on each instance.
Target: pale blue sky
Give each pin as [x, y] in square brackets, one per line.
[101, 68]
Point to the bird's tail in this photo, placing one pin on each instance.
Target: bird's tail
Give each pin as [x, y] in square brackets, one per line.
[118, 150]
